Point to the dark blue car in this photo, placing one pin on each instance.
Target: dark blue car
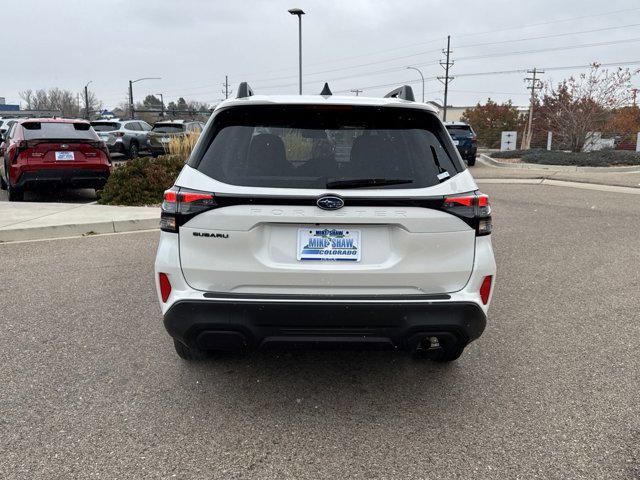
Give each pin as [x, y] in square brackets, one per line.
[464, 139]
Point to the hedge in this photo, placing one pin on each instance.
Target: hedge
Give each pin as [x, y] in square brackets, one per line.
[141, 181]
[602, 158]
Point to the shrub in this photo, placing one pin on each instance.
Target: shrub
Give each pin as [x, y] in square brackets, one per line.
[513, 153]
[141, 181]
[182, 145]
[602, 158]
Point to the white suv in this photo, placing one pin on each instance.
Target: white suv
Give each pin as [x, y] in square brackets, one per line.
[325, 220]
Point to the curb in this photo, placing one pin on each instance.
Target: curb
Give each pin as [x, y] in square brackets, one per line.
[561, 183]
[487, 160]
[78, 229]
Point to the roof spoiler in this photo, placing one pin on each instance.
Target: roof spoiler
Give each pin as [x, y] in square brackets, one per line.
[244, 90]
[405, 92]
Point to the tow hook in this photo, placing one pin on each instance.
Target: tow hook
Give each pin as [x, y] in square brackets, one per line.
[432, 343]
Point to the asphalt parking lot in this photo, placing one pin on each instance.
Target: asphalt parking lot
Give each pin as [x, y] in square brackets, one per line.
[91, 387]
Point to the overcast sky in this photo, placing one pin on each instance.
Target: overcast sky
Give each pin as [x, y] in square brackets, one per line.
[351, 44]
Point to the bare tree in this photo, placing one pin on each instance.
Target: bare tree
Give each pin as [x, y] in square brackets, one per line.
[27, 98]
[581, 105]
[64, 101]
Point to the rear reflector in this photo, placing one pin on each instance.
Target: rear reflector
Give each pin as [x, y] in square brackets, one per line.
[485, 289]
[165, 286]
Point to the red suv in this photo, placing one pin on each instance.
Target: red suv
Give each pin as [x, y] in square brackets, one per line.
[52, 152]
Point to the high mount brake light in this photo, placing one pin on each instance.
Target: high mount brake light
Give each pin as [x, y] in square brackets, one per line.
[180, 205]
[473, 209]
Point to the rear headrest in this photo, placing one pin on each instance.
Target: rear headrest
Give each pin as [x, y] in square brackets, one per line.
[267, 155]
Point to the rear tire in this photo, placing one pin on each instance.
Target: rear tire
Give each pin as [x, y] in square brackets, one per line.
[190, 354]
[3, 184]
[134, 152]
[15, 194]
[471, 161]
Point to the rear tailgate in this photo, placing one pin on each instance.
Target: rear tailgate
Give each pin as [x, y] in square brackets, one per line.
[61, 154]
[256, 249]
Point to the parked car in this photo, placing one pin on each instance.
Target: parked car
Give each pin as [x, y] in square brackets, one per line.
[325, 220]
[46, 152]
[5, 124]
[129, 137]
[162, 133]
[465, 140]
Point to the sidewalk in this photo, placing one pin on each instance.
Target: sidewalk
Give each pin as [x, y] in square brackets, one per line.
[600, 176]
[33, 221]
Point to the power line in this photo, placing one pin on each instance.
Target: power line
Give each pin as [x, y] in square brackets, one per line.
[463, 35]
[551, 49]
[500, 72]
[476, 57]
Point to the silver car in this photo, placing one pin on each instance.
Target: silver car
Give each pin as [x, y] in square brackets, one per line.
[128, 137]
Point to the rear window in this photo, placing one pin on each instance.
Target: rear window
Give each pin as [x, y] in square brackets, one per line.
[61, 131]
[105, 127]
[460, 131]
[167, 128]
[299, 146]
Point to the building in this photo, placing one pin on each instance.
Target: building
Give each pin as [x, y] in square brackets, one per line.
[454, 114]
[7, 109]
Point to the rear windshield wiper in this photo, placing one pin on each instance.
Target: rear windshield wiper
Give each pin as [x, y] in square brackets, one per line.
[367, 182]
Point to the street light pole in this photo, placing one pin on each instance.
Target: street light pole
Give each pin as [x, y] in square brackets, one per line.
[162, 102]
[86, 101]
[299, 13]
[421, 76]
[131, 104]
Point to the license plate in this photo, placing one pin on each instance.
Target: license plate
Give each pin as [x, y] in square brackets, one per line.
[329, 244]
[456, 142]
[65, 156]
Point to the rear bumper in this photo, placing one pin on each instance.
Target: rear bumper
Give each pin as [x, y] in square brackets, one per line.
[71, 177]
[468, 151]
[249, 323]
[157, 150]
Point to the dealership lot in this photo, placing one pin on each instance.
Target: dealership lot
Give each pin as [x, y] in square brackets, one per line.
[92, 386]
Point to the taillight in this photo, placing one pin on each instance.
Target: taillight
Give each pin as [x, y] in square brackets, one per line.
[473, 209]
[21, 147]
[179, 205]
[165, 286]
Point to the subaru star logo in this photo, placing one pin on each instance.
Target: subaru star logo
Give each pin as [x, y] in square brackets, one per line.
[330, 202]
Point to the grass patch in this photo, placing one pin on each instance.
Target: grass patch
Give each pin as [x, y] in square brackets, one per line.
[602, 158]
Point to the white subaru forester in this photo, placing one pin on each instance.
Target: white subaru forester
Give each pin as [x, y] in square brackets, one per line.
[325, 220]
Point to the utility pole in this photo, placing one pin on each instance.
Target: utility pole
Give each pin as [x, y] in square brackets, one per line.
[226, 90]
[161, 104]
[536, 84]
[131, 107]
[356, 91]
[87, 114]
[447, 64]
